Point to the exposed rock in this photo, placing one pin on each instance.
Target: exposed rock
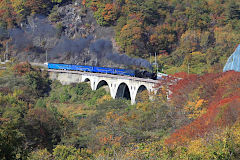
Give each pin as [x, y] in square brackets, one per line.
[77, 22]
[73, 36]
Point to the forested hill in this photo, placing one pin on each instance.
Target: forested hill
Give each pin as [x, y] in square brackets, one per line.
[41, 119]
[200, 34]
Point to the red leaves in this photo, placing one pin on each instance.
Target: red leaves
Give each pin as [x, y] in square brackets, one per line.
[22, 68]
[217, 116]
[222, 91]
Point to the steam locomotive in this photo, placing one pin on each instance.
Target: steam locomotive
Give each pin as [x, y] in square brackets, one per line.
[106, 70]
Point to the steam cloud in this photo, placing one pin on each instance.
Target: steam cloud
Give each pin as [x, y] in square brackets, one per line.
[75, 47]
[103, 48]
[39, 27]
[24, 37]
[20, 40]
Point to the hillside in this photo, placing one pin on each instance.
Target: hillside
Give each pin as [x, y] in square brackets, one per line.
[41, 119]
[199, 34]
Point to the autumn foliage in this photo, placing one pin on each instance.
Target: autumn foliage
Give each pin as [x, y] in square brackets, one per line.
[22, 68]
[221, 96]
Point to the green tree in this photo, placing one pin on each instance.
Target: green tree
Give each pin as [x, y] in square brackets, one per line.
[11, 143]
[233, 10]
[130, 38]
[42, 128]
[38, 82]
[198, 15]
[7, 14]
[154, 11]
[62, 152]
[163, 38]
[42, 154]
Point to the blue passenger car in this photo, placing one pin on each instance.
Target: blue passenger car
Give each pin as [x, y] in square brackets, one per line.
[126, 72]
[103, 70]
[82, 68]
[60, 66]
[106, 70]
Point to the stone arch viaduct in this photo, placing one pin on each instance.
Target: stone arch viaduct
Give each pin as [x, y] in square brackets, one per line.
[119, 86]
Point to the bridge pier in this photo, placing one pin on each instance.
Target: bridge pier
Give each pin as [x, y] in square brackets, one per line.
[133, 99]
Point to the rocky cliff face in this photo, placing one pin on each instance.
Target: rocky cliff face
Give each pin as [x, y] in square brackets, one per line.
[78, 21]
[66, 39]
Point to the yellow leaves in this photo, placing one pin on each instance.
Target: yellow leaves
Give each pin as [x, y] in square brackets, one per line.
[40, 154]
[195, 109]
[17, 93]
[236, 133]
[103, 99]
[132, 30]
[142, 106]
[153, 38]
[18, 5]
[2, 72]
[72, 110]
[199, 103]
[197, 147]
[115, 118]
[110, 115]
[70, 153]
[196, 54]
[223, 36]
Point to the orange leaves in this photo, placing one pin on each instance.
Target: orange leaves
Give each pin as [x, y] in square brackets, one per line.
[109, 12]
[105, 13]
[195, 109]
[109, 6]
[132, 30]
[163, 37]
[221, 91]
[115, 119]
[206, 123]
[138, 16]
[110, 140]
[22, 68]
[84, 2]
[130, 36]
[111, 132]
[7, 13]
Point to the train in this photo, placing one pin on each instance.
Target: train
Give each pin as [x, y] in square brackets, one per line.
[105, 70]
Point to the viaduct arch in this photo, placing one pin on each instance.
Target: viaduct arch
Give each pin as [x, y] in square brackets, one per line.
[123, 91]
[119, 86]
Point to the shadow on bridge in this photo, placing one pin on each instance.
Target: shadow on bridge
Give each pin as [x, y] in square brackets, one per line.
[123, 91]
